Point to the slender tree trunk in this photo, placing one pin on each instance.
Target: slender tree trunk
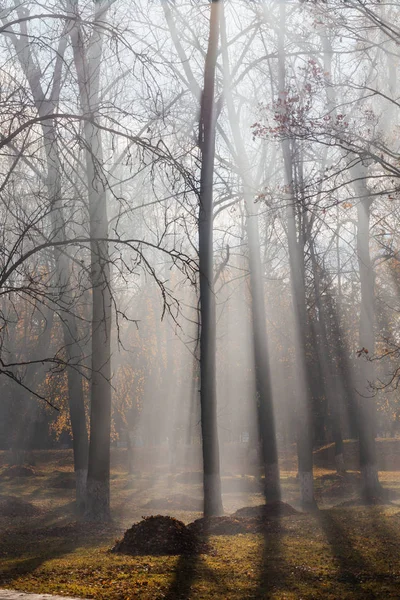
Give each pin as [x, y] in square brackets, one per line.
[87, 61]
[355, 416]
[324, 352]
[69, 327]
[261, 362]
[66, 300]
[208, 390]
[264, 402]
[366, 403]
[296, 261]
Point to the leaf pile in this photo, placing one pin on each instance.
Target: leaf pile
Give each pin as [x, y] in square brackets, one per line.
[250, 519]
[12, 506]
[18, 471]
[159, 535]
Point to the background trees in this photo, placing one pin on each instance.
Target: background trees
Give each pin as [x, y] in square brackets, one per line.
[292, 184]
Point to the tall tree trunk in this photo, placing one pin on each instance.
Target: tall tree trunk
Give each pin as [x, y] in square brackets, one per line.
[45, 107]
[331, 390]
[264, 402]
[69, 325]
[366, 403]
[87, 61]
[208, 390]
[296, 261]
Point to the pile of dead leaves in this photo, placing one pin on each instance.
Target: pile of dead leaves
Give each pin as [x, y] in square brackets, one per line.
[12, 506]
[250, 519]
[160, 535]
[18, 471]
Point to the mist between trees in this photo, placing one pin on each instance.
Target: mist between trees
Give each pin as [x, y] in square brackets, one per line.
[199, 235]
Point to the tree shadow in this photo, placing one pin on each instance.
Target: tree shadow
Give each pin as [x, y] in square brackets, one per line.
[186, 570]
[386, 527]
[191, 567]
[26, 544]
[272, 565]
[185, 574]
[352, 566]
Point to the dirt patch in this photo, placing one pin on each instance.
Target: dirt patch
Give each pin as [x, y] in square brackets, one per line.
[12, 506]
[18, 471]
[176, 502]
[160, 535]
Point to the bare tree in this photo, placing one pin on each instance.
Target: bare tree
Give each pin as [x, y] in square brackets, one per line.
[208, 391]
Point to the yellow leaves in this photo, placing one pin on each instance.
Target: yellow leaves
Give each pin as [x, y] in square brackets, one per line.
[347, 205]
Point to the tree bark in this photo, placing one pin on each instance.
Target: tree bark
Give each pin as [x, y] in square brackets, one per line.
[87, 64]
[366, 402]
[208, 391]
[296, 262]
[264, 401]
[330, 389]
[46, 106]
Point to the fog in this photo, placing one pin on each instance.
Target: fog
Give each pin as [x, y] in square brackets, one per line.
[199, 244]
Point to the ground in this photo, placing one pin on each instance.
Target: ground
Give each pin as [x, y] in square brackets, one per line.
[345, 552]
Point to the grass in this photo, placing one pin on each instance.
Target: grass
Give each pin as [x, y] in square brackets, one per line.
[345, 553]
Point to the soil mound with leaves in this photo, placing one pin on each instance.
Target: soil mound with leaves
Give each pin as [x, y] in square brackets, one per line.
[250, 519]
[18, 471]
[176, 502]
[160, 535]
[12, 506]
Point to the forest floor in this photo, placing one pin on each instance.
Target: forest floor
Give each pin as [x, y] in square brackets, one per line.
[346, 552]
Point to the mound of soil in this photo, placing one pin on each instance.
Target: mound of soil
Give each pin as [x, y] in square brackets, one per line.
[176, 502]
[267, 511]
[159, 535]
[63, 480]
[250, 519]
[12, 506]
[189, 477]
[18, 471]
